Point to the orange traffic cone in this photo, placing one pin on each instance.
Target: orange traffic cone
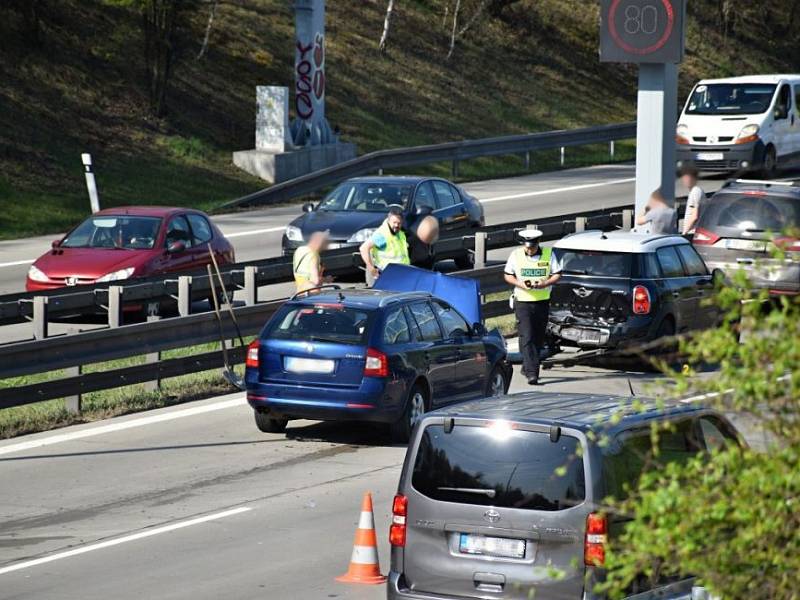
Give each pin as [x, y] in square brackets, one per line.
[364, 565]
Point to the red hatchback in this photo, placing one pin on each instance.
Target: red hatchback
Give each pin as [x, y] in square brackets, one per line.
[131, 241]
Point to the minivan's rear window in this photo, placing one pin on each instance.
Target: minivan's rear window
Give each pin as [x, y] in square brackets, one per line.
[321, 323]
[499, 466]
[601, 264]
[750, 212]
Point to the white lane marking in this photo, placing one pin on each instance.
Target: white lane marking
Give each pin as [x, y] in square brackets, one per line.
[17, 263]
[253, 232]
[129, 424]
[128, 538]
[571, 188]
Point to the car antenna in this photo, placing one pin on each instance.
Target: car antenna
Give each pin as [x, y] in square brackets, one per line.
[630, 387]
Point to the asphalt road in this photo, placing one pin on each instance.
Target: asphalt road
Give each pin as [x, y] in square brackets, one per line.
[257, 234]
[192, 502]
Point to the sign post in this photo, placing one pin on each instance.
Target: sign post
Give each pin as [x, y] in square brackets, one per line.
[650, 33]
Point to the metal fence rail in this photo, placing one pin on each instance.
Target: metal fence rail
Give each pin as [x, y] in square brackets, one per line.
[420, 155]
[150, 338]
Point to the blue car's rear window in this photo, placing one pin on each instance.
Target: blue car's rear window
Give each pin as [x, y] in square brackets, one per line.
[321, 323]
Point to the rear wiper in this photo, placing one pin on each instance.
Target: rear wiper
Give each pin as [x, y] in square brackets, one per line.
[316, 338]
[480, 491]
[576, 271]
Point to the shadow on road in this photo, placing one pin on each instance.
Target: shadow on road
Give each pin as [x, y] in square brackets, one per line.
[340, 432]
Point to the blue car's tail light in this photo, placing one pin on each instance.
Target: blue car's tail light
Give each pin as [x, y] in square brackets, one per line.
[251, 359]
[377, 364]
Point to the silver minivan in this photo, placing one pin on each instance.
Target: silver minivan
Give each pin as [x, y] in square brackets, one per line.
[502, 498]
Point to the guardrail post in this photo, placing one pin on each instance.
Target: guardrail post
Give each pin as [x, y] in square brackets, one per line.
[480, 250]
[153, 357]
[250, 286]
[40, 317]
[380, 171]
[627, 219]
[611, 149]
[580, 224]
[454, 169]
[115, 305]
[563, 152]
[184, 295]
[530, 226]
[527, 158]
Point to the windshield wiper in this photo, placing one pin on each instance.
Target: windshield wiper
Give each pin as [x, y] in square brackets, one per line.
[490, 493]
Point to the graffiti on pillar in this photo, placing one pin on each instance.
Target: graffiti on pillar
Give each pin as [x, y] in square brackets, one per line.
[309, 76]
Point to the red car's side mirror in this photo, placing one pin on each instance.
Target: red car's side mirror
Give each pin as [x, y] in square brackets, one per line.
[176, 246]
[55, 244]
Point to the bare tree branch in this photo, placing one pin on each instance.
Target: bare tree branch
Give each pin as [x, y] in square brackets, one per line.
[387, 23]
[212, 12]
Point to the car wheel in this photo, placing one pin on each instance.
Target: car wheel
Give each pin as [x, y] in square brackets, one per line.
[415, 409]
[497, 384]
[770, 163]
[465, 261]
[268, 424]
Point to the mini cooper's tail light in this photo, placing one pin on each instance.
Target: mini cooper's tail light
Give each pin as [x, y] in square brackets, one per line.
[594, 545]
[397, 530]
[377, 364]
[641, 300]
[251, 359]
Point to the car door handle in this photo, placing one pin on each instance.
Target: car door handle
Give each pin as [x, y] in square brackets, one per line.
[746, 261]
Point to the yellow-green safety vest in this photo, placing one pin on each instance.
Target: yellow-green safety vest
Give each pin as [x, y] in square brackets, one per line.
[396, 250]
[532, 268]
[304, 258]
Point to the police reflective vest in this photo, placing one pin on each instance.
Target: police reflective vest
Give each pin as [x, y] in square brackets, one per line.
[396, 250]
[304, 258]
[531, 269]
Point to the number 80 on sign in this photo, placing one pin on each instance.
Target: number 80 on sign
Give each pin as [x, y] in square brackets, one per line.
[642, 31]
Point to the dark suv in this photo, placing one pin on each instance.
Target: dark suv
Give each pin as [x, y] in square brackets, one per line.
[743, 222]
[620, 288]
[503, 498]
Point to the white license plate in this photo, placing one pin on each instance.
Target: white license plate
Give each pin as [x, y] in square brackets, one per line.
[710, 156]
[751, 245]
[482, 545]
[294, 364]
[582, 335]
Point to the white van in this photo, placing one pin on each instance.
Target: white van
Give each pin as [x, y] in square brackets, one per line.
[740, 124]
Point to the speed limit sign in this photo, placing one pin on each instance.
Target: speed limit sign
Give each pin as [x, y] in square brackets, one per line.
[642, 31]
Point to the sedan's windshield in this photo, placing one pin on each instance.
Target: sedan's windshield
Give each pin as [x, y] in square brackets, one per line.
[366, 197]
[123, 232]
[730, 99]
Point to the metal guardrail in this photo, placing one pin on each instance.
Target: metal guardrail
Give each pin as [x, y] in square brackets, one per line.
[419, 155]
[150, 338]
[183, 287]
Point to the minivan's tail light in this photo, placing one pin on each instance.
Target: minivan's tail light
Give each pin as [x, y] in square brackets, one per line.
[377, 364]
[251, 360]
[641, 300]
[703, 237]
[787, 244]
[594, 545]
[397, 530]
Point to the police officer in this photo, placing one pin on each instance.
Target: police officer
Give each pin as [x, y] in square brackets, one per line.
[532, 271]
[387, 245]
[307, 263]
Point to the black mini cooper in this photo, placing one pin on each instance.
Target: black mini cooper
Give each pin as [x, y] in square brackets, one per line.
[623, 288]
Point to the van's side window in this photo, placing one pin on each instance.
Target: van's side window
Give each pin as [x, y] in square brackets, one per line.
[784, 102]
[797, 99]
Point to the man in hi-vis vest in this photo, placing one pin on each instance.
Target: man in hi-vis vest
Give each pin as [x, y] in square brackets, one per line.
[532, 271]
[387, 245]
[307, 264]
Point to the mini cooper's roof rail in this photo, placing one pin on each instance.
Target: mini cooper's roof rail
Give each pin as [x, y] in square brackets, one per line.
[764, 182]
[663, 236]
[304, 293]
[404, 296]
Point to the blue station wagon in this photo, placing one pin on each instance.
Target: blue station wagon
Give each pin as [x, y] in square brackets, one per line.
[372, 355]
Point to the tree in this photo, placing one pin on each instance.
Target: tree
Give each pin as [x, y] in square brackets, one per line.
[387, 23]
[732, 517]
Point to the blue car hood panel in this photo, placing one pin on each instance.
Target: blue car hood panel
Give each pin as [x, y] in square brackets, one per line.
[462, 293]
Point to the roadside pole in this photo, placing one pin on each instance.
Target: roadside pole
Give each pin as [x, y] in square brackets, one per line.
[651, 34]
[91, 184]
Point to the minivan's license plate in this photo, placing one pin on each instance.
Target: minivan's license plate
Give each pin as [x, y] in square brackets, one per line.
[710, 156]
[294, 364]
[482, 545]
